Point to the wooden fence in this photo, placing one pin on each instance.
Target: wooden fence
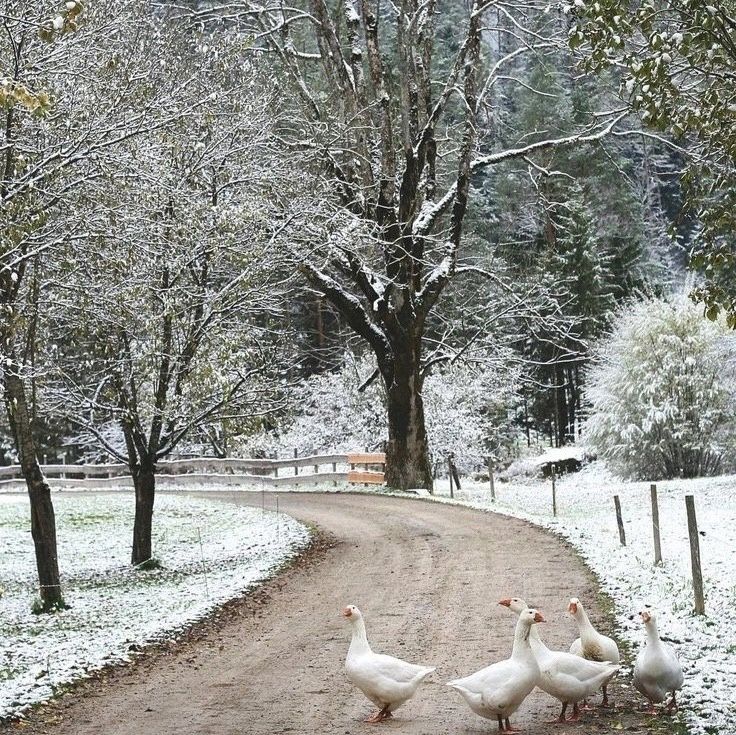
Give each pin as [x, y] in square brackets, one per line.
[692, 527]
[354, 468]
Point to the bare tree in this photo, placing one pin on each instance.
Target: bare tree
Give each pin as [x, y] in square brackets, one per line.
[393, 137]
[177, 294]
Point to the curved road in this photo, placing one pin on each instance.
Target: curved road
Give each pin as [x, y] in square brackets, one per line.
[427, 576]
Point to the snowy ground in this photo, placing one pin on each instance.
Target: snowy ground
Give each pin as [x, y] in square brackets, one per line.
[706, 645]
[210, 552]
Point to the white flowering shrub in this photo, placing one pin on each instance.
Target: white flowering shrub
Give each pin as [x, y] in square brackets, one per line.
[663, 393]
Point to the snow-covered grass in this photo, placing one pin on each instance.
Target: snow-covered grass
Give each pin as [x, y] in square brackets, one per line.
[586, 517]
[209, 552]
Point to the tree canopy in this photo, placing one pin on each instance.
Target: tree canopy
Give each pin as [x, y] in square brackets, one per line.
[676, 62]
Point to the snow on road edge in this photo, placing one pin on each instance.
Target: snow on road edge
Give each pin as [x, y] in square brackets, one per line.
[706, 645]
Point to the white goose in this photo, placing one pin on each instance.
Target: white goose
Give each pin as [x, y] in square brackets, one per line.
[565, 676]
[499, 689]
[657, 671]
[592, 645]
[387, 681]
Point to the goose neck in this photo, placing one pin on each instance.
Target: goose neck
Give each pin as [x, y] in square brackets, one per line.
[522, 647]
[584, 624]
[359, 641]
[652, 632]
[536, 642]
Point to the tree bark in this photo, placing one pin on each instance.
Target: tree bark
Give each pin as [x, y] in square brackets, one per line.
[144, 481]
[43, 520]
[560, 398]
[407, 451]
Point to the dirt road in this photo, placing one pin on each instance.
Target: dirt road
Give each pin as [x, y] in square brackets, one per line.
[427, 578]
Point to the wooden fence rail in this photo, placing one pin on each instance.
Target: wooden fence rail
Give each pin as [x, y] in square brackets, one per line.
[364, 468]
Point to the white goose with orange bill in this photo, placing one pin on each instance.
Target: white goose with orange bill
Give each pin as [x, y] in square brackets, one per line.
[657, 671]
[497, 691]
[592, 645]
[387, 681]
[565, 676]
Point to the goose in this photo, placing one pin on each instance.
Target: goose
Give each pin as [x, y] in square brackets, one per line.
[565, 676]
[499, 689]
[592, 645]
[387, 681]
[657, 671]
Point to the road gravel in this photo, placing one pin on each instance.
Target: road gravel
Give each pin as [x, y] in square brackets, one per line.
[427, 576]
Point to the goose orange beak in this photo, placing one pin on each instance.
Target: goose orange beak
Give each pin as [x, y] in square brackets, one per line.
[645, 616]
[347, 612]
[506, 602]
[572, 608]
[539, 618]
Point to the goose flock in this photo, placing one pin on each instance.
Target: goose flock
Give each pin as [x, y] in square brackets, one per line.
[498, 690]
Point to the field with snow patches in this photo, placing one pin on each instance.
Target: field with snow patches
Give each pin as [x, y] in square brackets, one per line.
[113, 607]
[586, 517]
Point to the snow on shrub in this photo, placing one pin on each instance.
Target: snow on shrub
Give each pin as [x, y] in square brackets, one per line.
[564, 459]
[331, 415]
[466, 410]
[662, 392]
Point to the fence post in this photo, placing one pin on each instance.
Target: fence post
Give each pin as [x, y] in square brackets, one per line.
[453, 470]
[449, 474]
[296, 454]
[692, 527]
[620, 521]
[490, 479]
[655, 525]
[554, 492]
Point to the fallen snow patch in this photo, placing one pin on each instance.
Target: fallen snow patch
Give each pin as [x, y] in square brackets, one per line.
[210, 552]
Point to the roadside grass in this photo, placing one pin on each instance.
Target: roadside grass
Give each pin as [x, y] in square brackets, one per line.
[205, 554]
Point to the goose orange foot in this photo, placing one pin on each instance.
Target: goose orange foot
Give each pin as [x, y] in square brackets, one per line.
[508, 727]
[382, 714]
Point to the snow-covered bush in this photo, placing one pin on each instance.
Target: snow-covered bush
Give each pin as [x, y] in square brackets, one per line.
[663, 393]
[564, 459]
[330, 415]
[467, 412]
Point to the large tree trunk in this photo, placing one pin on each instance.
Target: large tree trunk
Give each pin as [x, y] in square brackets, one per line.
[43, 520]
[144, 481]
[407, 452]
